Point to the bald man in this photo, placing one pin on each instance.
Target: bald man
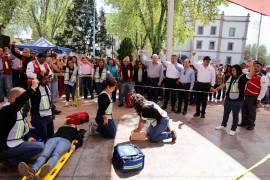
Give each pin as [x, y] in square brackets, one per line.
[16, 143]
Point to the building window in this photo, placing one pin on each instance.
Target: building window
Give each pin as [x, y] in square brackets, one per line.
[228, 60]
[213, 30]
[199, 45]
[232, 32]
[200, 30]
[212, 45]
[230, 46]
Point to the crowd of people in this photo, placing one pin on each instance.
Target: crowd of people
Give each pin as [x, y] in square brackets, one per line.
[33, 82]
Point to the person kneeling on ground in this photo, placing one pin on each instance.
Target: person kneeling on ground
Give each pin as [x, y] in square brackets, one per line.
[54, 149]
[104, 118]
[16, 142]
[153, 114]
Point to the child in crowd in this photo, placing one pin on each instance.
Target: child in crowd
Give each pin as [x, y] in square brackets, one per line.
[54, 149]
[70, 79]
[158, 119]
[104, 118]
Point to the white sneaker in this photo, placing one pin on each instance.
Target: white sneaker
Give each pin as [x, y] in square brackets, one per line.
[220, 128]
[67, 103]
[232, 133]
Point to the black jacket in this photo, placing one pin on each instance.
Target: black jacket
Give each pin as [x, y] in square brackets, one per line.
[135, 75]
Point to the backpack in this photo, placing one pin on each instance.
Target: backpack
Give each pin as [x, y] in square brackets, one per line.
[77, 118]
[128, 158]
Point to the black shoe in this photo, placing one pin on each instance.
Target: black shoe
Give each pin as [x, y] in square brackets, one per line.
[56, 112]
[184, 113]
[250, 128]
[196, 115]
[202, 116]
[242, 125]
[121, 104]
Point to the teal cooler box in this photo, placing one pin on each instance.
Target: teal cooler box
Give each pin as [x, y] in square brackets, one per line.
[128, 158]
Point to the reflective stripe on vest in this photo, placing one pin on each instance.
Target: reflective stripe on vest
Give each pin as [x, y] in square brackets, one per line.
[98, 78]
[234, 91]
[109, 109]
[45, 105]
[72, 80]
[16, 134]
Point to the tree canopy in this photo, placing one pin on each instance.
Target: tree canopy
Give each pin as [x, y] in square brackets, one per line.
[149, 18]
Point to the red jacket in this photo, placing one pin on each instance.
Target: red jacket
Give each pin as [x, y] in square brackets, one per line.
[6, 65]
[253, 87]
[37, 70]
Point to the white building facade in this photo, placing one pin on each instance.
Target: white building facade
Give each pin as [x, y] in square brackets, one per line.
[223, 40]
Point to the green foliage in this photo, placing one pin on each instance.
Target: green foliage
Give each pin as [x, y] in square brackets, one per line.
[44, 18]
[102, 37]
[126, 49]
[7, 8]
[250, 52]
[149, 17]
[78, 30]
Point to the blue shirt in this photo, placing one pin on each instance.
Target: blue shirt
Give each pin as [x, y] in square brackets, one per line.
[113, 70]
[187, 76]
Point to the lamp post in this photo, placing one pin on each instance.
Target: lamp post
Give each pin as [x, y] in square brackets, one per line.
[258, 40]
[170, 28]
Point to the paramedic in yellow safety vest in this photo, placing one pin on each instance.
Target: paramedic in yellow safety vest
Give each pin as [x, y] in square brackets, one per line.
[100, 75]
[16, 142]
[234, 96]
[40, 102]
[70, 80]
[53, 150]
[156, 117]
[104, 119]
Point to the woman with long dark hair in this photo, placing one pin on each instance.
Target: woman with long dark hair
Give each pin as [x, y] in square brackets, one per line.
[139, 77]
[234, 95]
[158, 119]
[104, 118]
[70, 79]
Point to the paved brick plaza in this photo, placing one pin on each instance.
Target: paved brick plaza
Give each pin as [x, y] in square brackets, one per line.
[200, 152]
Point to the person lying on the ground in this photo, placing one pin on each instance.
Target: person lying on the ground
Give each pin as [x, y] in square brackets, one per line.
[158, 119]
[54, 149]
[104, 118]
[16, 143]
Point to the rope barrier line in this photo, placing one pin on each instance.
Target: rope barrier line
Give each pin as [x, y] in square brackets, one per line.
[184, 90]
[253, 167]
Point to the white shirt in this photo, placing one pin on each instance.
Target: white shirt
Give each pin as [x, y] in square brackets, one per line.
[30, 69]
[268, 76]
[264, 86]
[205, 75]
[173, 70]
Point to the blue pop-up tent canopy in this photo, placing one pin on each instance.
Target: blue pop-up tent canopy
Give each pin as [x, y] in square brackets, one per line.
[42, 45]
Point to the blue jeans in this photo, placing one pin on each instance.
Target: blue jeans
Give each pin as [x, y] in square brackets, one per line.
[53, 85]
[124, 89]
[70, 90]
[5, 84]
[157, 133]
[235, 107]
[54, 149]
[44, 127]
[23, 152]
[109, 130]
